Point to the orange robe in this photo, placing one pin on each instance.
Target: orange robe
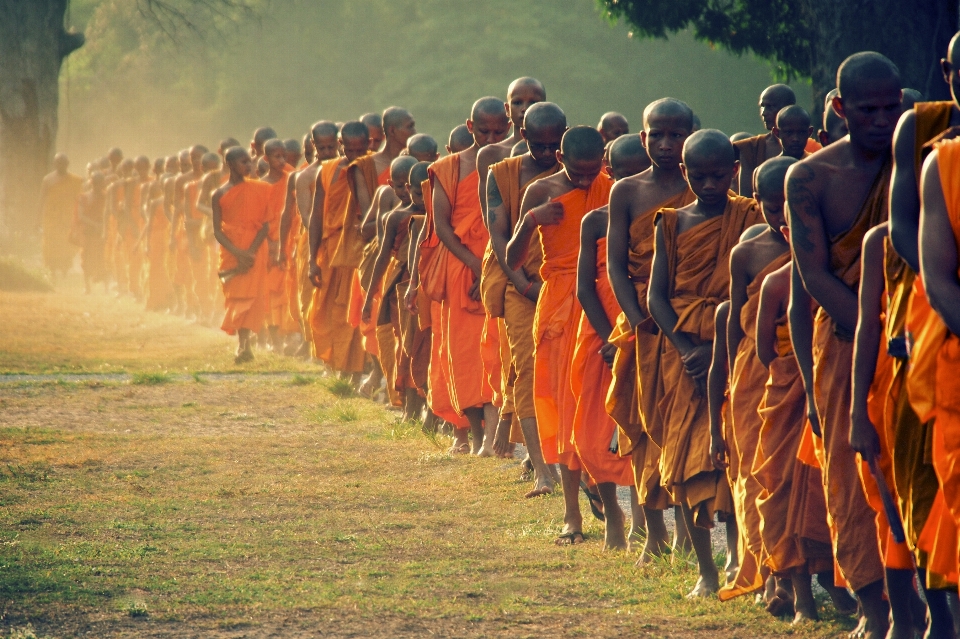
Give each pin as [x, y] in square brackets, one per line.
[56, 218]
[159, 289]
[636, 387]
[463, 319]
[203, 287]
[275, 292]
[699, 276]
[292, 321]
[853, 527]
[335, 341]
[593, 430]
[555, 324]
[244, 210]
[747, 385]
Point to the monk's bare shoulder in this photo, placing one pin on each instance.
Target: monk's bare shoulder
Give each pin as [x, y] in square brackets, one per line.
[490, 155]
[594, 224]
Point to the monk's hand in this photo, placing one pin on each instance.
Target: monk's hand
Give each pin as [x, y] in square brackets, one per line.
[474, 291]
[531, 291]
[410, 300]
[245, 260]
[863, 436]
[315, 276]
[548, 214]
[696, 361]
[813, 416]
[718, 451]
[608, 351]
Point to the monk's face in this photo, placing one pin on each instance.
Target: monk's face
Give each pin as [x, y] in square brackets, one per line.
[276, 159]
[242, 166]
[836, 129]
[184, 161]
[793, 134]
[399, 187]
[710, 177]
[664, 137]
[543, 144]
[613, 129]
[354, 147]
[772, 206]
[625, 167]
[376, 138]
[951, 74]
[488, 129]
[172, 166]
[292, 158]
[520, 100]
[326, 147]
[402, 132]
[416, 195]
[770, 106]
[143, 169]
[581, 171]
[871, 112]
[210, 166]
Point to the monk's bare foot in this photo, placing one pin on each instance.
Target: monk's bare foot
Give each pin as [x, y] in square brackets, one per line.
[897, 631]
[538, 491]
[614, 535]
[501, 439]
[526, 469]
[485, 451]
[244, 356]
[780, 606]
[653, 548]
[842, 601]
[569, 538]
[860, 631]
[804, 617]
[509, 453]
[459, 449]
[704, 589]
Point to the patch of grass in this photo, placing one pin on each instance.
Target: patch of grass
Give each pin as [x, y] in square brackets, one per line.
[345, 413]
[405, 429]
[137, 610]
[198, 378]
[150, 379]
[302, 380]
[338, 387]
[17, 276]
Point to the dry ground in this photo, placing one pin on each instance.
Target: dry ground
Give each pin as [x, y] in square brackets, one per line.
[268, 506]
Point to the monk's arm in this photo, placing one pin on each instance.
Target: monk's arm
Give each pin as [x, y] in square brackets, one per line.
[498, 222]
[738, 297]
[109, 199]
[591, 229]
[483, 172]
[772, 296]
[368, 227]
[938, 249]
[383, 259]
[244, 258]
[618, 253]
[904, 197]
[179, 199]
[315, 227]
[658, 296]
[866, 345]
[203, 195]
[304, 201]
[442, 209]
[360, 192]
[801, 336]
[536, 210]
[808, 240]
[417, 231]
[717, 380]
[286, 217]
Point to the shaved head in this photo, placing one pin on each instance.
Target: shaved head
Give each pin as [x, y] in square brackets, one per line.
[263, 134]
[460, 139]
[771, 175]
[422, 144]
[292, 146]
[742, 135]
[227, 143]
[324, 129]
[863, 70]
[708, 144]
[626, 147]
[418, 173]
[780, 94]
[489, 107]
[544, 115]
[235, 153]
[668, 108]
[910, 97]
[372, 120]
[354, 130]
[60, 162]
[582, 143]
[393, 117]
[274, 144]
[114, 155]
[210, 161]
[527, 82]
[612, 125]
[400, 168]
[697, 125]
[793, 113]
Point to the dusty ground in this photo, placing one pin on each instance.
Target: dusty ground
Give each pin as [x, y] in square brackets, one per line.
[265, 505]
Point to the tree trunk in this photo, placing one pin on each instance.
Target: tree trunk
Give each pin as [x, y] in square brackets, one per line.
[33, 44]
[914, 34]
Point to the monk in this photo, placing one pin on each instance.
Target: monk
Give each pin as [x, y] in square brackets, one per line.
[612, 125]
[207, 282]
[688, 279]
[58, 200]
[161, 295]
[293, 151]
[455, 275]
[240, 224]
[309, 153]
[793, 131]
[636, 388]
[750, 262]
[90, 207]
[594, 432]
[325, 145]
[393, 252]
[512, 294]
[834, 127]
[375, 126]
[555, 207]
[134, 210]
[460, 139]
[260, 137]
[274, 292]
[117, 224]
[335, 341]
[834, 196]
[755, 150]
[178, 264]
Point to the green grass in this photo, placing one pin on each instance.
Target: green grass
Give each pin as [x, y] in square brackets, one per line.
[150, 379]
[302, 380]
[338, 387]
[17, 276]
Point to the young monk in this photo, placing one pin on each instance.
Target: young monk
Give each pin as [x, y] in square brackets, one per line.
[542, 128]
[555, 206]
[834, 127]
[181, 268]
[117, 224]
[376, 128]
[293, 152]
[834, 196]
[612, 126]
[458, 224]
[792, 131]
[750, 262]
[213, 166]
[309, 153]
[393, 252]
[197, 246]
[274, 292]
[636, 387]
[326, 145]
[460, 139]
[335, 341]
[688, 278]
[90, 207]
[260, 137]
[754, 151]
[594, 432]
[58, 200]
[240, 224]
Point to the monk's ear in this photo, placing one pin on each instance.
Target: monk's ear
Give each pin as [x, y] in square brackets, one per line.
[470, 126]
[945, 68]
[559, 156]
[838, 106]
[736, 169]
[523, 133]
[643, 138]
[775, 131]
[683, 171]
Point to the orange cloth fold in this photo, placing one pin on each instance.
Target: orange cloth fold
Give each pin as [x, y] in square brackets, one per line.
[244, 210]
